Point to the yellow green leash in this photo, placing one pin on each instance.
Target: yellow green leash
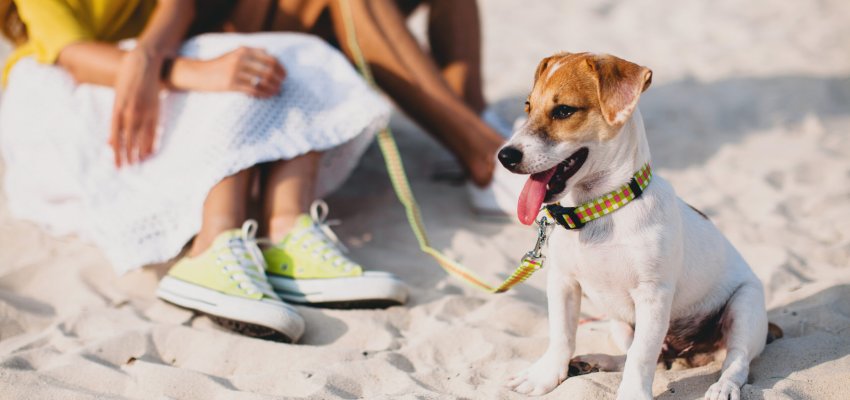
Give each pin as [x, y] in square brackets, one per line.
[395, 168]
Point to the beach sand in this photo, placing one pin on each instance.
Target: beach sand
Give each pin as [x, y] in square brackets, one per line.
[748, 117]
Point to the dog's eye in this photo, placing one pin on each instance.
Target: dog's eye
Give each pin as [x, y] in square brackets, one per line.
[562, 111]
[527, 107]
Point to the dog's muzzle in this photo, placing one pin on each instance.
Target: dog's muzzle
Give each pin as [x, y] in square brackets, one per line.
[510, 157]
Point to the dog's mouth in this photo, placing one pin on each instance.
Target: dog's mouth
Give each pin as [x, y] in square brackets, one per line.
[544, 186]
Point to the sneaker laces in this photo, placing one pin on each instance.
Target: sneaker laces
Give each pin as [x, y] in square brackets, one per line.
[327, 244]
[245, 263]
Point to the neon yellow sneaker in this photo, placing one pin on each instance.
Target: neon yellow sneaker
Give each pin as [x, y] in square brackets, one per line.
[228, 282]
[309, 266]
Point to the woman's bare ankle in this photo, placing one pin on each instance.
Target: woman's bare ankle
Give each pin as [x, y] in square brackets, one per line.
[200, 245]
[210, 229]
[280, 226]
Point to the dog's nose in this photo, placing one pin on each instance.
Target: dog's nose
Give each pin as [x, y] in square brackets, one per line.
[510, 157]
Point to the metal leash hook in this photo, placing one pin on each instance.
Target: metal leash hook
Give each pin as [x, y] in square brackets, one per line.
[535, 257]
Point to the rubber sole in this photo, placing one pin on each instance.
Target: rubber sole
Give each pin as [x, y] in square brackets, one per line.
[373, 289]
[257, 318]
[250, 330]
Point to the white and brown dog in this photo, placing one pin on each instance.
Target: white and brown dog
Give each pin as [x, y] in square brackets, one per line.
[672, 284]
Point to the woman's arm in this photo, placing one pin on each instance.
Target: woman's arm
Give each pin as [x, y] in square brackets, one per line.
[135, 75]
[98, 62]
[230, 72]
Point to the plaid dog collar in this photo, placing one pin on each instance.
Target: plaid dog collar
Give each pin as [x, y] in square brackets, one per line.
[577, 217]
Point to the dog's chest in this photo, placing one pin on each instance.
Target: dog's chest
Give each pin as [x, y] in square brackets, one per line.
[606, 273]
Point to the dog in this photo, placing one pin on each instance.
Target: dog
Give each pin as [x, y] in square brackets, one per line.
[672, 284]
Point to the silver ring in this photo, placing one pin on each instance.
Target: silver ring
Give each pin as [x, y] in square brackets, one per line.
[255, 81]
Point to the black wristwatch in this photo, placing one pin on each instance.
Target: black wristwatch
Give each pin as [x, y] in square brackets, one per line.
[165, 70]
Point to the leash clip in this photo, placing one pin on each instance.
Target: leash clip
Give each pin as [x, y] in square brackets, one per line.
[535, 257]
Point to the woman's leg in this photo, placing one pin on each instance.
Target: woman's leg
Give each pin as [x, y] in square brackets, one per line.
[311, 266]
[220, 283]
[225, 208]
[289, 189]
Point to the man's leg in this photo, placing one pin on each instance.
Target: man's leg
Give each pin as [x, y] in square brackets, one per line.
[454, 33]
[414, 81]
[402, 70]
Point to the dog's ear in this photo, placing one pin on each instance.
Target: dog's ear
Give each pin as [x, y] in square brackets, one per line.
[545, 64]
[619, 85]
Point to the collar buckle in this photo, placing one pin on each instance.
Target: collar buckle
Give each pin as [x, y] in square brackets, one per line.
[565, 216]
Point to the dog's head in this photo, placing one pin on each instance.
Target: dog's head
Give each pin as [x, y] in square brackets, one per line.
[578, 104]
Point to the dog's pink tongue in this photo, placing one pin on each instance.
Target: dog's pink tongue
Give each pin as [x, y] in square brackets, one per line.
[532, 196]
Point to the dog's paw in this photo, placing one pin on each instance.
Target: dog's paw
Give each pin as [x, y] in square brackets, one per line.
[723, 389]
[542, 376]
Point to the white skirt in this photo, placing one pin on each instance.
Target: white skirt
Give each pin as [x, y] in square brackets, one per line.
[59, 170]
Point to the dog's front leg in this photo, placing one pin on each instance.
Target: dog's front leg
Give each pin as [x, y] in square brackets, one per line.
[564, 297]
[652, 319]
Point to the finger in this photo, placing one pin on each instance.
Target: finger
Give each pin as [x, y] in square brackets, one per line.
[277, 70]
[264, 62]
[146, 145]
[130, 137]
[269, 82]
[280, 70]
[273, 72]
[127, 145]
[261, 56]
[269, 86]
[149, 134]
[254, 86]
[115, 138]
[132, 129]
[243, 85]
[267, 74]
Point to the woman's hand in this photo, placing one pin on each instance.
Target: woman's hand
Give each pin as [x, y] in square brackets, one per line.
[136, 109]
[248, 70]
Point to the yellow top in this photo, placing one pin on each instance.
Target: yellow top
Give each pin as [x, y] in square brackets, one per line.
[54, 24]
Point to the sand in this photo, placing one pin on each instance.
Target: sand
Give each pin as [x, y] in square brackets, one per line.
[748, 117]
